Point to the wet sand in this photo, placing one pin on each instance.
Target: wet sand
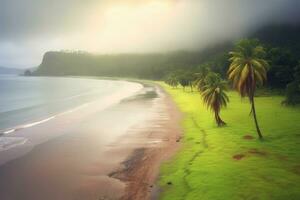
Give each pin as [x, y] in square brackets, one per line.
[112, 154]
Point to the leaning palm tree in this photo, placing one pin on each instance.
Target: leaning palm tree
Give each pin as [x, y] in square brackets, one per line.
[214, 96]
[247, 70]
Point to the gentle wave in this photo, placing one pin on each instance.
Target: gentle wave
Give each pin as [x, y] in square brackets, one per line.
[31, 124]
[114, 97]
[43, 104]
[27, 125]
[20, 109]
[7, 143]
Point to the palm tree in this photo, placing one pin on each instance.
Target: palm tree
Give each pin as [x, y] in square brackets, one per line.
[200, 77]
[172, 80]
[247, 70]
[183, 80]
[214, 96]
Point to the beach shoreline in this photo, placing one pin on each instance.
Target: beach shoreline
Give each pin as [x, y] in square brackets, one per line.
[76, 165]
[141, 169]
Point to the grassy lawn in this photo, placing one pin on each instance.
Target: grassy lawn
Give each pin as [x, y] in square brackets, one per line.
[218, 163]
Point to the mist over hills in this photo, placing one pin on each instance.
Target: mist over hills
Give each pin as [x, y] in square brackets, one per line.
[157, 65]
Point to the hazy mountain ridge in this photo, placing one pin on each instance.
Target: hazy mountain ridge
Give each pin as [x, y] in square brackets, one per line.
[157, 65]
[148, 65]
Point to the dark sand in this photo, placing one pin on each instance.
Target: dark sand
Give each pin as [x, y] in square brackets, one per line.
[112, 154]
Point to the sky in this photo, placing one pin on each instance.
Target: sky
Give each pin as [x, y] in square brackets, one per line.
[29, 28]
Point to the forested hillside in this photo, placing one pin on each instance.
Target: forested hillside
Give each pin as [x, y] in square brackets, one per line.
[149, 66]
[281, 41]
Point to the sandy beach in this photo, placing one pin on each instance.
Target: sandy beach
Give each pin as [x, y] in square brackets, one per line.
[114, 153]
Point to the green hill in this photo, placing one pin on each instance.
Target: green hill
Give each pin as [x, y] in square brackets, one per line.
[282, 42]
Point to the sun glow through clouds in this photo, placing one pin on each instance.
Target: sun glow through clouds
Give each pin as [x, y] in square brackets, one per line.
[123, 25]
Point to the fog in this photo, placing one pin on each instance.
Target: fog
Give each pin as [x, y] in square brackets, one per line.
[28, 28]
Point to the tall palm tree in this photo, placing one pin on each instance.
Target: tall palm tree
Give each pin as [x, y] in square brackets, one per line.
[214, 96]
[247, 70]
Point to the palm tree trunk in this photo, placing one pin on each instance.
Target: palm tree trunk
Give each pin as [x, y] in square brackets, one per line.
[218, 119]
[255, 118]
[221, 122]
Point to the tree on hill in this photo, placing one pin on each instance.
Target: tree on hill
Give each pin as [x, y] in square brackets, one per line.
[293, 89]
[282, 63]
[247, 70]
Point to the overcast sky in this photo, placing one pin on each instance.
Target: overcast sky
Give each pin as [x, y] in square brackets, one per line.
[29, 28]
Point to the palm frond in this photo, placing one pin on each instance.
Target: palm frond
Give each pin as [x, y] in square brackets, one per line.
[247, 67]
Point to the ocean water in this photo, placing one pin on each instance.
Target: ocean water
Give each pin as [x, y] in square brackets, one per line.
[68, 134]
[29, 101]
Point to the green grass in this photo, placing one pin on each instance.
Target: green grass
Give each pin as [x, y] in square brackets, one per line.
[204, 168]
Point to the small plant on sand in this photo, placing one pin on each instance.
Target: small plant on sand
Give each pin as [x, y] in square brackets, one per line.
[214, 96]
[247, 70]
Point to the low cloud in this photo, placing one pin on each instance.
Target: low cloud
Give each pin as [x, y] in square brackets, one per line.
[31, 27]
